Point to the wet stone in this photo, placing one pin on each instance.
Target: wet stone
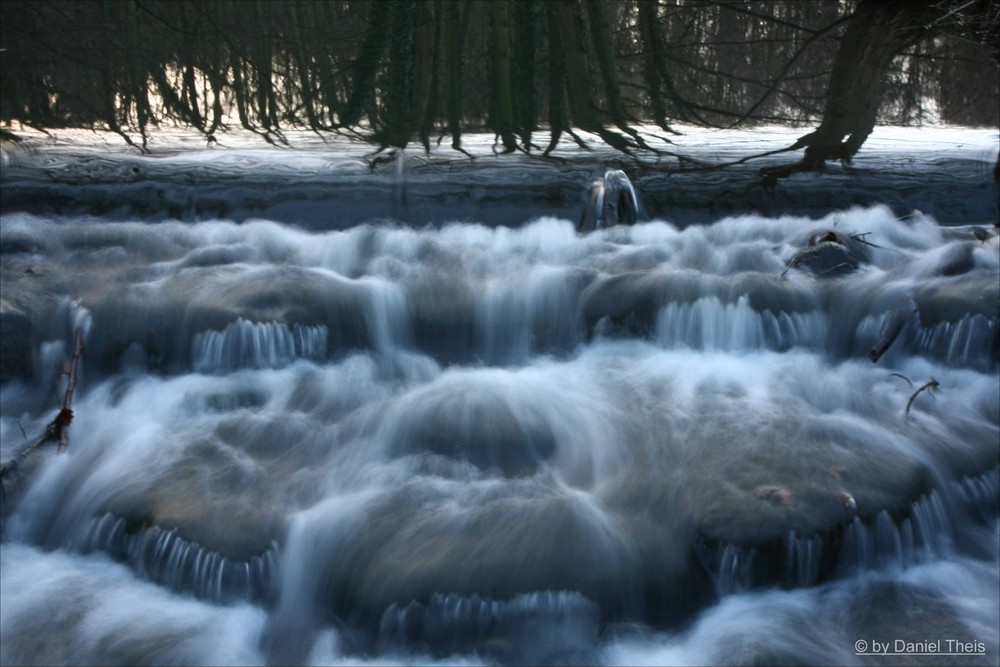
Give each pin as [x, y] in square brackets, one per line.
[829, 254]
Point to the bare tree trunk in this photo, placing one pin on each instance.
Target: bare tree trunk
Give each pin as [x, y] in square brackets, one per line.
[320, 20]
[577, 72]
[578, 78]
[526, 19]
[302, 65]
[452, 66]
[557, 80]
[604, 48]
[267, 104]
[396, 129]
[365, 65]
[190, 93]
[217, 81]
[875, 34]
[425, 71]
[189, 88]
[240, 92]
[658, 79]
[503, 107]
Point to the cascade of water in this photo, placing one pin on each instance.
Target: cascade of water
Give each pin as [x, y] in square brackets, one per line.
[979, 494]
[68, 315]
[803, 559]
[426, 418]
[388, 317]
[710, 324]
[246, 344]
[165, 557]
[928, 531]
[735, 570]
[960, 343]
[529, 315]
[526, 628]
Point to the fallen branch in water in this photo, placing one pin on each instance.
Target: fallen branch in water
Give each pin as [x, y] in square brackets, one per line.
[860, 238]
[932, 385]
[890, 332]
[56, 431]
[65, 416]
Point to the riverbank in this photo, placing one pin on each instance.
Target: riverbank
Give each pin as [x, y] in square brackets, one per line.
[330, 182]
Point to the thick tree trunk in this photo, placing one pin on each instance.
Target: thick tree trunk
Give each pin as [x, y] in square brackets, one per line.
[176, 104]
[217, 81]
[428, 70]
[558, 120]
[190, 92]
[423, 66]
[453, 69]
[651, 57]
[526, 19]
[503, 106]
[397, 128]
[303, 66]
[658, 80]
[240, 93]
[189, 88]
[876, 33]
[365, 65]
[580, 87]
[577, 73]
[604, 48]
[321, 19]
[557, 80]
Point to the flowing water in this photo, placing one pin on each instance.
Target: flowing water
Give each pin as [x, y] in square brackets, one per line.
[463, 443]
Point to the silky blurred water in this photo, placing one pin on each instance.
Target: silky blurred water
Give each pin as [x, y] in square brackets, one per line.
[474, 444]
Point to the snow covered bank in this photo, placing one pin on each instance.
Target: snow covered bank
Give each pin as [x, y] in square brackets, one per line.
[327, 183]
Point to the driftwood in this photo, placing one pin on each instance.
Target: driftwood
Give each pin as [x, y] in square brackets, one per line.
[57, 429]
[891, 331]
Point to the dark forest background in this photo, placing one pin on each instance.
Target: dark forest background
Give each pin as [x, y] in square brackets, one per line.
[398, 71]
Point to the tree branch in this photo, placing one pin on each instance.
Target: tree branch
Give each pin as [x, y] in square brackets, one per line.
[57, 429]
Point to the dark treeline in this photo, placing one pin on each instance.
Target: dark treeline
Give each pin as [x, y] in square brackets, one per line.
[396, 71]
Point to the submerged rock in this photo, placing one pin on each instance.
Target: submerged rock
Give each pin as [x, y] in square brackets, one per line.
[829, 254]
[612, 202]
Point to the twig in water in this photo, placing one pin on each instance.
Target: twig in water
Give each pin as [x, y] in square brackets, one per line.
[900, 375]
[65, 415]
[932, 385]
[860, 238]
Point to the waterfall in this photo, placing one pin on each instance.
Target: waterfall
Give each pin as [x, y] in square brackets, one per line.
[246, 344]
[165, 557]
[496, 441]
